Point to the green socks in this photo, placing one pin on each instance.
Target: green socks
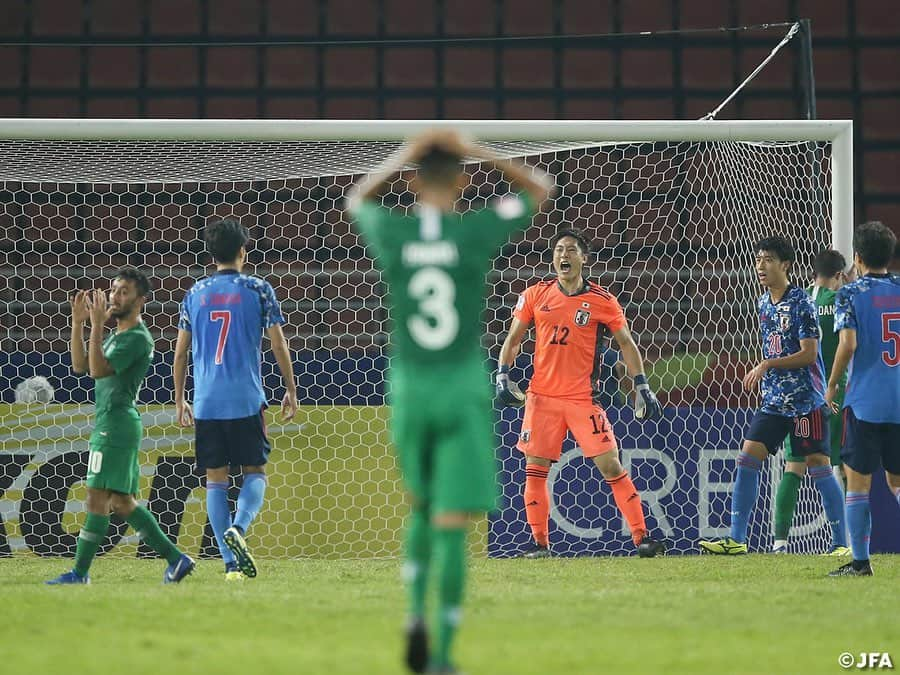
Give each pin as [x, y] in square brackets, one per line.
[786, 503]
[148, 530]
[449, 547]
[415, 569]
[89, 539]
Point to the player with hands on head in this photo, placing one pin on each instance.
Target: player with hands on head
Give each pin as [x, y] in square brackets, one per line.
[434, 261]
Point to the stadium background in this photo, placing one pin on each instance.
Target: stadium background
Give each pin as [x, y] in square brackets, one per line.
[212, 72]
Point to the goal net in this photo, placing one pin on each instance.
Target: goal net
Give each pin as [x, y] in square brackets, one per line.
[672, 209]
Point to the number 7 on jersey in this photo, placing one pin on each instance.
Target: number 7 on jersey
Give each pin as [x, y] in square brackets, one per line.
[223, 315]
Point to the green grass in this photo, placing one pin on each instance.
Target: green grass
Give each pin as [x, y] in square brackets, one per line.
[753, 614]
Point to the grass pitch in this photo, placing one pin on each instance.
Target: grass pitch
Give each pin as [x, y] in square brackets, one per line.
[750, 614]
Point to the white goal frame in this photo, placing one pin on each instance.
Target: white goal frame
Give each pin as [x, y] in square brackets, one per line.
[838, 132]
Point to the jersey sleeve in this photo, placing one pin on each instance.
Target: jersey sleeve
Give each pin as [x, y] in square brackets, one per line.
[844, 312]
[505, 215]
[524, 309]
[369, 217]
[271, 311]
[126, 349]
[611, 314]
[184, 315]
[807, 319]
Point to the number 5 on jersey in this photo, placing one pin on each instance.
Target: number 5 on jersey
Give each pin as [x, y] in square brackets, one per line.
[223, 315]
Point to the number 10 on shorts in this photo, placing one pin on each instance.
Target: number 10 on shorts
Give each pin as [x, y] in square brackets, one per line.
[95, 461]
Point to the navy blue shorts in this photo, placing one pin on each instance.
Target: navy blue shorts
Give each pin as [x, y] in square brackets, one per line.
[867, 446]
[809, 433]
[239, 442]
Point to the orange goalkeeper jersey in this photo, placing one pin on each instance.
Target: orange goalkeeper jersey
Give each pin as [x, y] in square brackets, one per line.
[569, 336]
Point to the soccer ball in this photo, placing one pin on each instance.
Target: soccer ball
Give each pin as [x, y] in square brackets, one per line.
[34, 390]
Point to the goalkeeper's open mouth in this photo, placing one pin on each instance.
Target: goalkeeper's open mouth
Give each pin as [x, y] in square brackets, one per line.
[564, 265]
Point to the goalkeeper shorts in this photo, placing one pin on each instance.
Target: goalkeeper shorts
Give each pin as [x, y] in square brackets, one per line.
[547, 419]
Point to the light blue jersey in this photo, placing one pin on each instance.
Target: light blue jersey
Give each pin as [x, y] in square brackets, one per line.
[226, 315]
[871, 307]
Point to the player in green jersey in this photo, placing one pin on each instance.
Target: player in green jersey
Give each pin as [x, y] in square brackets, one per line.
[434, 261]
[118, 365]
[829, 267]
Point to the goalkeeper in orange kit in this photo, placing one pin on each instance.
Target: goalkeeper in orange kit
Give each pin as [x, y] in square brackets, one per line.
[571, 317]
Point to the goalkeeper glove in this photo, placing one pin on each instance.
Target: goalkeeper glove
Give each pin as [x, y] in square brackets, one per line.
[507, 391]
[646, 407]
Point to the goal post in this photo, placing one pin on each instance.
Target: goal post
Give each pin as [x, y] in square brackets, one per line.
[673, 209]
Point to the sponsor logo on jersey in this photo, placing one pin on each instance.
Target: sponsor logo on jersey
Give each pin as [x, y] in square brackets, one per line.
[546, 308]
[421, 253]
[582, 317]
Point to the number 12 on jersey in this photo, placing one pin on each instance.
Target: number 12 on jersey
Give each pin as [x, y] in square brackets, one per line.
[223, 315]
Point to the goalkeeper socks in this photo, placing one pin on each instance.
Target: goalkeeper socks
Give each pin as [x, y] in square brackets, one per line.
[537, 503]
[148, 530]
[250, 499]
[859, 522]
[89, 540]
[219, 515]
[629, 502]
[832, 500]
[418, 554]
[449, 546]
[746, 489]
[786, 503]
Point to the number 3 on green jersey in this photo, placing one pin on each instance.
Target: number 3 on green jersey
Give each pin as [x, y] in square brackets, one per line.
[436, 323]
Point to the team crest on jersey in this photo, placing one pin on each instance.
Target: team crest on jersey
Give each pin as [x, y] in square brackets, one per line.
[784, 322]
[582, 317]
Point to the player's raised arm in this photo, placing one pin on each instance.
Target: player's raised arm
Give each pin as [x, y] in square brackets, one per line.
[377, 182]
[97, 363]
[80, 315]
[286, 366]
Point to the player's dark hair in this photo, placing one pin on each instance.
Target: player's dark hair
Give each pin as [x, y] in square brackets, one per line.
[875, 244]
[576, 235]
[778, 245]
[439, 167]
[829, 263]
[140, 280]
[224, 238]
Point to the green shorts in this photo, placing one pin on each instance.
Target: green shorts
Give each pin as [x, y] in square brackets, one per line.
[113, 457]
[442, 428]
[835, 428]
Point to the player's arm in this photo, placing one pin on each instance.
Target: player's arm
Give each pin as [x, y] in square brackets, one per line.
[809, 351]
[845, 350]
[183, 413]
[79, 317]
[522, 178]
[286, 366]
[411, 152]
[508, 392]
[646, 406]
[98, 366]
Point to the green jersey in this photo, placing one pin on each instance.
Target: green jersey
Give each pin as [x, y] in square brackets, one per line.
[129, 354]
[824, 299]
[434, 266]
